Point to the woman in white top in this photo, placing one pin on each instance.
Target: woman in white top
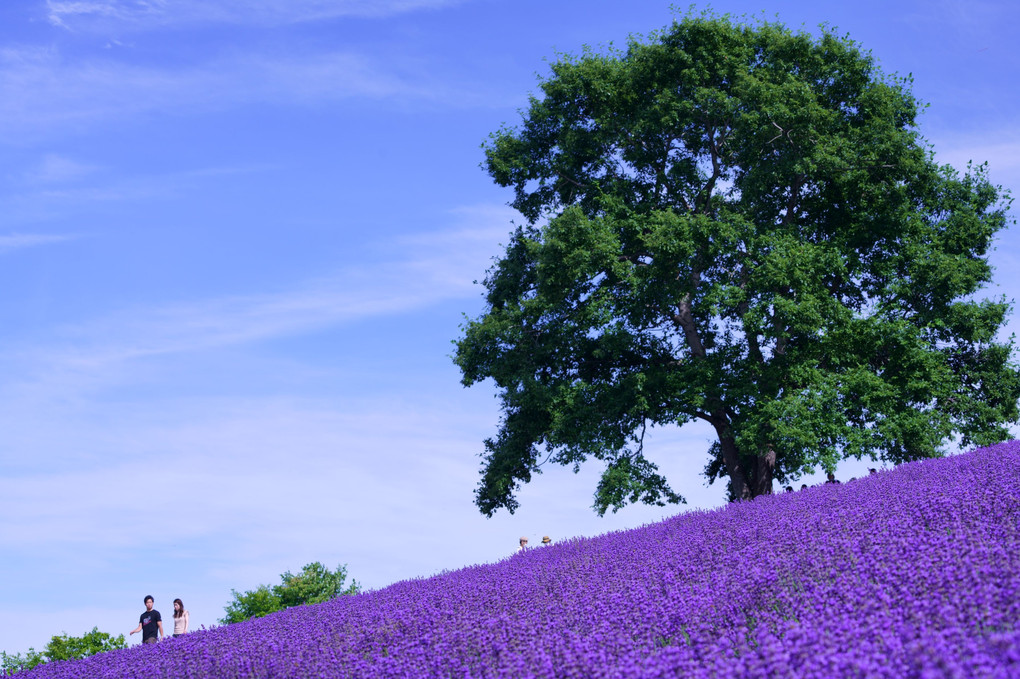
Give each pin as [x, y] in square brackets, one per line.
[180, 618]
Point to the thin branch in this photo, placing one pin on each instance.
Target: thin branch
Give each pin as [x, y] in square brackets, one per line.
[540, 464]
[716, 172]
[572, 181]
[781, 133]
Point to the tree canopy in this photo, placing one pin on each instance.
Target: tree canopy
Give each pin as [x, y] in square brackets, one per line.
[314, 584]
[738, 224]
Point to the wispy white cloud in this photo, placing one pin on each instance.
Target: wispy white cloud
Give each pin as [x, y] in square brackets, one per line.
[969, 17]
[1000, 151]
[56, 187]
[18, 241]
[243, 319]
[56, 169]
[201, 442]
[416, 272]
[147, 13]
[997, 145]
[41, 90]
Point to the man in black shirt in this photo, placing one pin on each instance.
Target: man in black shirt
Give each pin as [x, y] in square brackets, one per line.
[150, 624]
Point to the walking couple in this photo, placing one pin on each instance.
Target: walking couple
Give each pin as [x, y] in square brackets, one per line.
[150, 623]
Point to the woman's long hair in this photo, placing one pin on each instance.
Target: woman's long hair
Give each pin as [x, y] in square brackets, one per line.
[178, 612]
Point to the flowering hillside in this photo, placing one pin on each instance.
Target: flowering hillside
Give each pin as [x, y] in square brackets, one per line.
[908, 573]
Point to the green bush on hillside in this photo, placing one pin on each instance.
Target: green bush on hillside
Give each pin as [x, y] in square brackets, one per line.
[314, 584]
[62, 647]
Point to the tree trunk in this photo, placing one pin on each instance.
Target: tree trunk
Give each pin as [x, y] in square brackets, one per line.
[766, 465]
[749, 478]
[735, 468]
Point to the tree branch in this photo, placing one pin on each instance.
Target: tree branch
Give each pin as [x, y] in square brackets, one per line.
[567, 179]
[781, 132]
[791, 204]
[685, 319]
[753, 346]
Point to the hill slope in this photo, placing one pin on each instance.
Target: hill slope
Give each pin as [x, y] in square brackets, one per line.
[908, 573]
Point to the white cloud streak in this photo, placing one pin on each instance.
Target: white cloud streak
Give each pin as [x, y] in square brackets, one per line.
[41, 90]
[51, 190]
[56, 169]
[1000, 151]
[968, 17]
[422, 271]
[144, 14]
[418, 272]
[19, 241]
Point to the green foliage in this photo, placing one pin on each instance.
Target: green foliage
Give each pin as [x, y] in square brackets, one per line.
[737, 224]
[9, 664]
[62, 647]
[314, 584]
[255, 603]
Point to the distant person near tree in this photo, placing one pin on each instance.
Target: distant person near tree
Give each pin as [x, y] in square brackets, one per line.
[180, 618]
[150, 623]
[831, 478]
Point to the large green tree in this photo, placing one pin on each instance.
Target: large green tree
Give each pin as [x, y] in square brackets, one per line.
[739, 224]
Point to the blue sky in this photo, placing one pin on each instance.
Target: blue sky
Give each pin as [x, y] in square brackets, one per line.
[236, 241]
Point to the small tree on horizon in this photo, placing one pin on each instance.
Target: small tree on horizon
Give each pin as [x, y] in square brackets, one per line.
[61, 647]
[314, 584]
[737, 224]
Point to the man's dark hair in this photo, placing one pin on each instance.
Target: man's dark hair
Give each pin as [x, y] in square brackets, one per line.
[147, 598]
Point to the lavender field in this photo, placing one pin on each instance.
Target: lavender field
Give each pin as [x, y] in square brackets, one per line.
[909, 573]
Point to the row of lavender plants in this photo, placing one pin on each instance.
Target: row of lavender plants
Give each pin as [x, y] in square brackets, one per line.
[909, 573]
